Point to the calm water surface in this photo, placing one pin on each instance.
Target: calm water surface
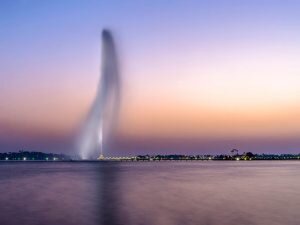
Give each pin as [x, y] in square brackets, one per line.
[144, 193]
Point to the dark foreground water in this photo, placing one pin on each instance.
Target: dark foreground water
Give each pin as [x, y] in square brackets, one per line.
[158, 193]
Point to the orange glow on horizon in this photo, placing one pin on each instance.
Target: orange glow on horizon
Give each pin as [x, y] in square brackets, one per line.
[178, 119]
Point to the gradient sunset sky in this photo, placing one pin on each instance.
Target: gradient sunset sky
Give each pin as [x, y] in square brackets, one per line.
[198, 76]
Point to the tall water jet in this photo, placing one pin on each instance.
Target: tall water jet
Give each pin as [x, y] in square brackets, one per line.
[102, 117]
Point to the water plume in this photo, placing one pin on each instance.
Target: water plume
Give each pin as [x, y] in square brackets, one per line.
[101, 119]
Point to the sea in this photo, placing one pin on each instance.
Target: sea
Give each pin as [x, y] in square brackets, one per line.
[150, 193]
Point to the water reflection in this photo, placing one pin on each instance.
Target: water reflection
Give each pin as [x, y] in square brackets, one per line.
[174, 193]
[108, 193]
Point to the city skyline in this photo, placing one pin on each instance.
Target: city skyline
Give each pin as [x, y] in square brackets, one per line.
[198, 77]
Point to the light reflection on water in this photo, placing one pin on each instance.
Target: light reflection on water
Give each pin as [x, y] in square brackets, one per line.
[144, 193]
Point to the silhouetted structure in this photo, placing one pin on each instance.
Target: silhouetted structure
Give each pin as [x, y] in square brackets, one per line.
[26, 155]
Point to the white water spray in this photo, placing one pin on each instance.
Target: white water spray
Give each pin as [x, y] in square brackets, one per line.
[102, 116]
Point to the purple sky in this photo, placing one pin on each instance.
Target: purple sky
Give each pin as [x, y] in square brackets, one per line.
[198, 76]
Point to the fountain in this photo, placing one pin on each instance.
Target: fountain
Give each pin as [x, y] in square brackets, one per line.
[101, 118]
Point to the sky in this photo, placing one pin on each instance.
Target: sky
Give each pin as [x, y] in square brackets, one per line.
[198, 77]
